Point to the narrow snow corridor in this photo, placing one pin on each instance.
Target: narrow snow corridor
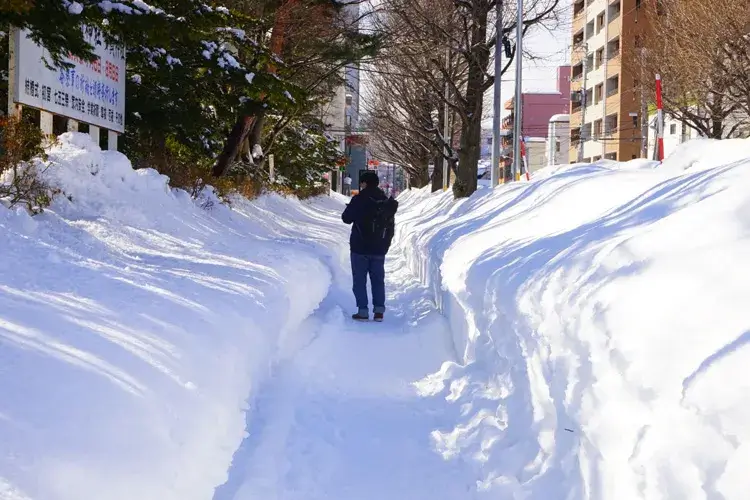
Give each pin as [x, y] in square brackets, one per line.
[339, 417]
[592, 325]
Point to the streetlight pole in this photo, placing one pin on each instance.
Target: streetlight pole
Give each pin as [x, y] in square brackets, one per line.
[517, 132]
[497, 104]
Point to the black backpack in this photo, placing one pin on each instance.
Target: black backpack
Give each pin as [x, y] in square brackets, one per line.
[383, 221]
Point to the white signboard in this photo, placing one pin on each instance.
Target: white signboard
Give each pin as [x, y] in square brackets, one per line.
[90, 92]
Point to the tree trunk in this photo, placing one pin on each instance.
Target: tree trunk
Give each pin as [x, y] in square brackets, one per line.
[468, 155]
[437, 173]
[159, 152]
[471, 124]
[246, 125]
[233, 145]
[418, 181]
[421, 177]
[256, 134]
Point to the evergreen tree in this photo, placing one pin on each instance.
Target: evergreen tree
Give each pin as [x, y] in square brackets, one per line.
[194, 67]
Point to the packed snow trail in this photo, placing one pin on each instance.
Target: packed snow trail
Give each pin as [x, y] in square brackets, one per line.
[339, 417]
[137, 325]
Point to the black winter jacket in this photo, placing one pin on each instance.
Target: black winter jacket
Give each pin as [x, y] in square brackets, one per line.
[358, 212]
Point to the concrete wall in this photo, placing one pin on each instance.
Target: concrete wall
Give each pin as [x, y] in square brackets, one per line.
[558, 143]
[536, 153]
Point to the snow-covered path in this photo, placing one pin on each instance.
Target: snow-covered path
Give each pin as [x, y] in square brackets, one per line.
[339, 417]
[590, 343]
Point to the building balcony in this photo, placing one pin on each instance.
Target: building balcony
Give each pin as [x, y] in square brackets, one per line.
[579, 9]
[614, 29]
[576, 73]
[575, 119]
[613, 103]
[508, 122]
[577, 55]
[579, 21]
[614, 61]
[576, 85]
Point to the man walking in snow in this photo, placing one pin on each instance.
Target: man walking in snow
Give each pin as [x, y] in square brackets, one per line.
[371, 214]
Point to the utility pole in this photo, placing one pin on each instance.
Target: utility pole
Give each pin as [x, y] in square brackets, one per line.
[517, 132]
[659, 120]
[644, 112]
[584, 104]
[497, 104]
[446, 127]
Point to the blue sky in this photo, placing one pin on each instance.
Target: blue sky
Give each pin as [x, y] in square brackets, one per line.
[549, 45]
[551, 48]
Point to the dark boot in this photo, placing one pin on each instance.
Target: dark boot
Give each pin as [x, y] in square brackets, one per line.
[360, 317]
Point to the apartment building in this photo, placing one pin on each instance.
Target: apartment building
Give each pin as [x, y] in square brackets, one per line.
[606, 108]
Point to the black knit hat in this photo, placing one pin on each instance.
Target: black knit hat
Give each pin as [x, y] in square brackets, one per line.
[370, 178]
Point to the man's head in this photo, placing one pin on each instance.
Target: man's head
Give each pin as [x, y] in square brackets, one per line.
[368, 180]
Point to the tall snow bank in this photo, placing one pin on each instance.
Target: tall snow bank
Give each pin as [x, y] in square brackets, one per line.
[133, 327]
[600, 315]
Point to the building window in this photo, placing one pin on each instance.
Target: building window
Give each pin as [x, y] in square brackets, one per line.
[575, 136]
[577, 71]
[597, 129]
[610, 124]
[673, 129]
[613, 85]
[578, 38]
[557, 146]
[577, 98]
[599, 57]
[598, 93]
[586, 132]
[635, 121]
[614, 11]
[613, 48]
[578, 8]
[610, 156]
[599, 23]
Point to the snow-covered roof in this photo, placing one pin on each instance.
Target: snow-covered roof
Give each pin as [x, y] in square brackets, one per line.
[560, 118]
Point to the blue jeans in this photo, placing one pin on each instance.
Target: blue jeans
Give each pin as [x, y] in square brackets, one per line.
[374, 266]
